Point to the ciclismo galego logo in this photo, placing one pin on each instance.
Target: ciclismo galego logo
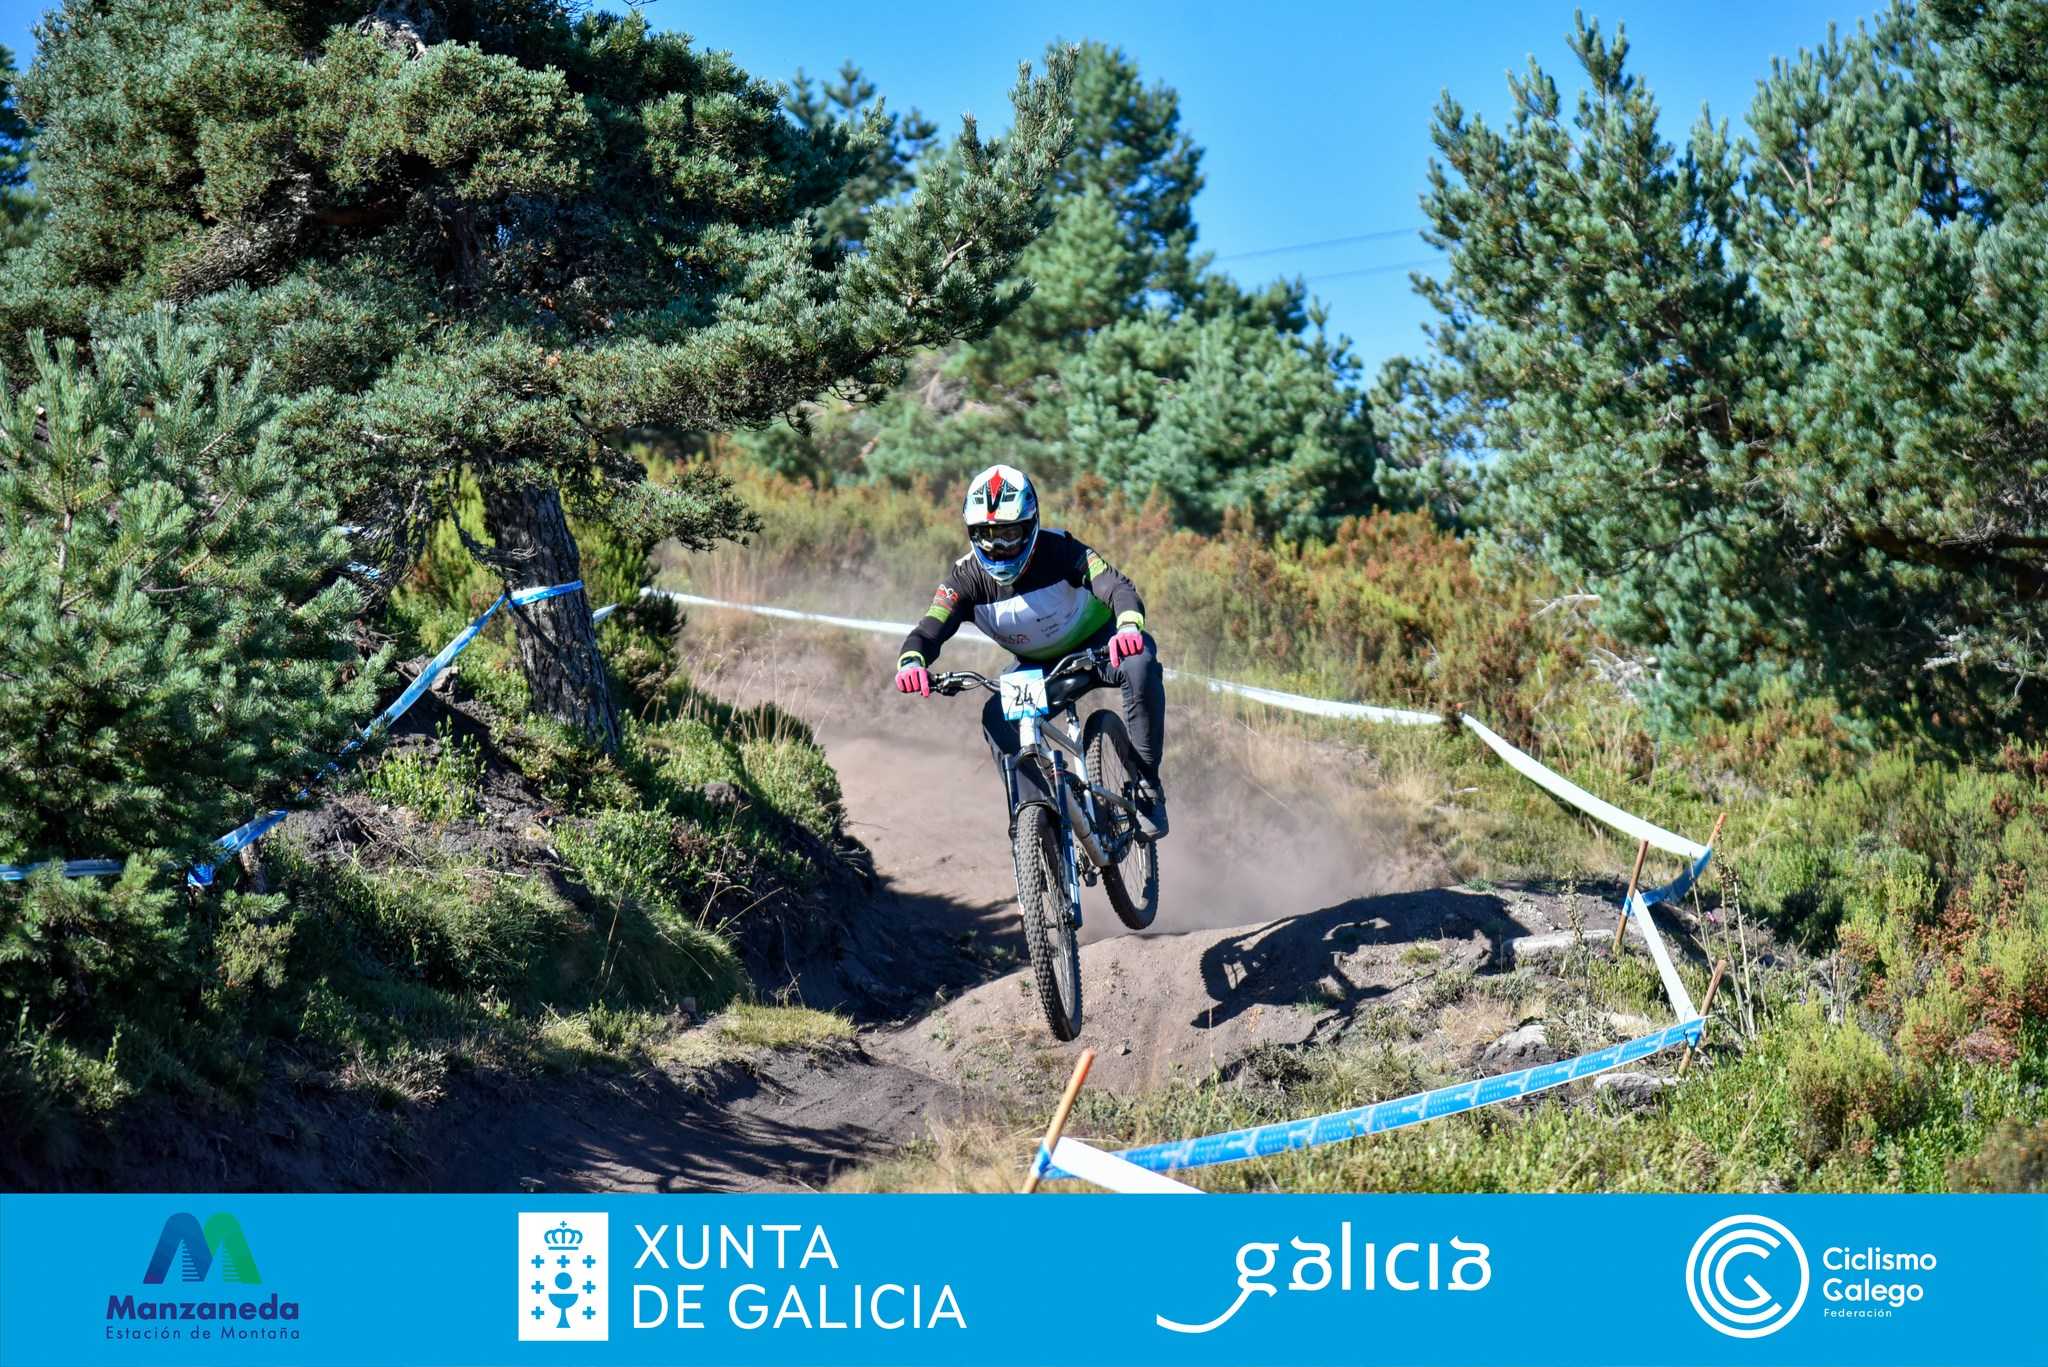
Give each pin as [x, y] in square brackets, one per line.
[1767, 1269]
[1747, 1276]
[202, 1285]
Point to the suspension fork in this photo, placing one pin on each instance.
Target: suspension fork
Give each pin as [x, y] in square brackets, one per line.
[1032, 739]
[1070, 852]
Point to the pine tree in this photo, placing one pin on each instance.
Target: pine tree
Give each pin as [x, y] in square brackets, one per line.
[1123, 229]
[1222, 415]
[21, 208]
[180, 651]
[485, 239]
[1781, 403]
[1129, 148]
[848, 107]
[1132, 360]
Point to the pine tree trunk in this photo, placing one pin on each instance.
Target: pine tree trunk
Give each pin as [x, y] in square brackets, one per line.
[557, 642]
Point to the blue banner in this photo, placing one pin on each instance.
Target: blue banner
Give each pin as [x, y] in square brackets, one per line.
[1127, 1280]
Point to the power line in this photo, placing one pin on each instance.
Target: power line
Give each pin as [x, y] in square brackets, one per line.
[1377, 270]
[1326, 242]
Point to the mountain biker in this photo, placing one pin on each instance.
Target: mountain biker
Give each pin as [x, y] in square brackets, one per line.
[1043, 595]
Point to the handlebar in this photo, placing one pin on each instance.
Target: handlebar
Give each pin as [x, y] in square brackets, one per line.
[950, 683]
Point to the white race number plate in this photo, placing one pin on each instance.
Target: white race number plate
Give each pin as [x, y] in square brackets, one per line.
[1023, 694]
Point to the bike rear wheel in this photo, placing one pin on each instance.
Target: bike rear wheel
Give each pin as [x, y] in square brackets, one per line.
[1049, 931]
[1132, 881]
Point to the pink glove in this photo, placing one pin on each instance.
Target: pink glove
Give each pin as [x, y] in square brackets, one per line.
[914, 679]
[1126, 643]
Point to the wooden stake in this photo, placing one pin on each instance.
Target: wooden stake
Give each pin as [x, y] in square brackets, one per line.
[1713, 986]
[1060, 1113]
[1621, 926]
[1715, 835]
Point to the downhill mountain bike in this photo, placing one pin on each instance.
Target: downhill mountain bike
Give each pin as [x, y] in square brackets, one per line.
[1075, 825]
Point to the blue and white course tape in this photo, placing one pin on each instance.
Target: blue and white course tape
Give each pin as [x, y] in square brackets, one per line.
[249, 832]
[1283, 1136]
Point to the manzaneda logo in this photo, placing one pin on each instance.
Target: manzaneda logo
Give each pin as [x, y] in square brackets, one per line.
[219, 1238]
[190, 1252]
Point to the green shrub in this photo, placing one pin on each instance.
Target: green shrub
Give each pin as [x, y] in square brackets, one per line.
[1845, 1089]
[454, 925]
[252, 942]
[795, 778]
[625, 853]
[124, 945]
[171, 592]
[655, 878]
[443, 786]
[45, 1081]
[2013, 1158]
[686, 753]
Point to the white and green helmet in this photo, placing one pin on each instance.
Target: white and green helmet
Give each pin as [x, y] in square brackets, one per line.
[1002, 521]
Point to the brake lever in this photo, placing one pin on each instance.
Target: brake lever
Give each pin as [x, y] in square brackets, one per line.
[1080, 661]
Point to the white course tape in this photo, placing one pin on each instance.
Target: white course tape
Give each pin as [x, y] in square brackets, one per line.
[870, 625]
[1674, 986]
[1293, 702]
[1112, 1173]
[1571, 792]
[1525, 764]
[1320, 707]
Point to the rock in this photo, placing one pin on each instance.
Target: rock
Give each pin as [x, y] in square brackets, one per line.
[1633, 1089]
[407, 27]
[1520, 1048]
[720, 793]
[1629, 1026]
[1523, 948]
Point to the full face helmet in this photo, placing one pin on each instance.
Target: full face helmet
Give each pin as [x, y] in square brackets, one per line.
[1002, 521]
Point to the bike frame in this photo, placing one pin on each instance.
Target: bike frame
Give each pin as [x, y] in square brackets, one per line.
[1051, 746]
[1072, 792]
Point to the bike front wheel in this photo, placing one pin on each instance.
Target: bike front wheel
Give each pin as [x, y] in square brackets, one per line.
[1049, 932]
[1132, 880]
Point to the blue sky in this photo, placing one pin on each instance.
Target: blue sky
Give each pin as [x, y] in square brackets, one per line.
[1315, 116]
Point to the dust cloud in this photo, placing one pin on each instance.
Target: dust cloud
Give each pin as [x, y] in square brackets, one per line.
[1265, 825]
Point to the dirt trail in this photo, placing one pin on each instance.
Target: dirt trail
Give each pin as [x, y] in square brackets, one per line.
[1295, 898]
[1276, 915]
[1282, 920]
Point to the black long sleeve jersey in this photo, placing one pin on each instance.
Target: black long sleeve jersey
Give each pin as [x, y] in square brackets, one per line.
[1066, 594]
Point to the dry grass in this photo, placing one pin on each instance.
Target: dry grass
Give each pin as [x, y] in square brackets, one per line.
[777, 1028]
[1473, 1024]
[741, 1034]
[965, 1156]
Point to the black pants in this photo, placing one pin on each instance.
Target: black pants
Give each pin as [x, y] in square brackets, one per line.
[1144, 688]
